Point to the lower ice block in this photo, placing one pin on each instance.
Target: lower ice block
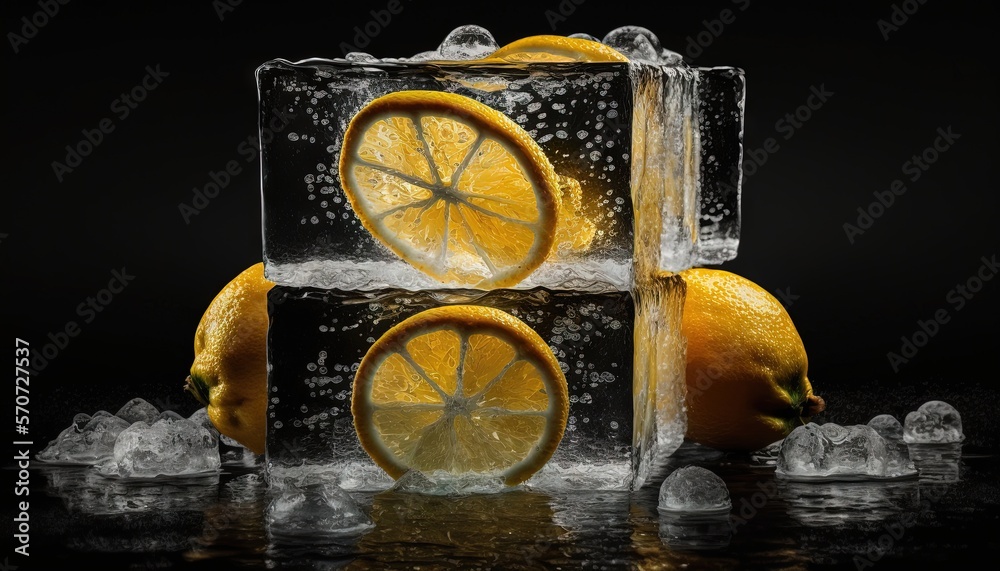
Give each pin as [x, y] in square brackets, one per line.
[619, 353]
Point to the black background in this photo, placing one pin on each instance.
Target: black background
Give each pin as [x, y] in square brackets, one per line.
[60, 241]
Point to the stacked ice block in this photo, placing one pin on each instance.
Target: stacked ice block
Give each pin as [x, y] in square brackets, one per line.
[656, 147]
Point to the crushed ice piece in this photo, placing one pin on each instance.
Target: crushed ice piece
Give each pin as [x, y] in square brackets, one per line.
[671, 58]
[897, 453]
[168, 415]
[635, 42]
[440, 483]
[138, 409]
[468, 42]
[694, 489]
[164, 448]
[315, 510]
[92, 443]
[81, 419]
[583, 36]
[766, 456]
[231, 452]
[361, 57]
[834, 452]
[934, 422]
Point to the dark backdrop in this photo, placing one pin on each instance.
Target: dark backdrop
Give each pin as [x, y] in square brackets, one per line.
[891, 88]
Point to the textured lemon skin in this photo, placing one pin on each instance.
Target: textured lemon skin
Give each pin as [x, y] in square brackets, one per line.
[229, 372]
[469, 318]
[747, 383]
[491, 123]
[553, 48]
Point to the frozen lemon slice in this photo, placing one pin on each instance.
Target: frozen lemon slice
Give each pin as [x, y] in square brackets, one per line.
[557, 49]
[453, 187]
[462, 389]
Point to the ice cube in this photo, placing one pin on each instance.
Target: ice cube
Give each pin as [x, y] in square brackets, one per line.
[767, 456]
[231, 452]
[635, 42]
[165, 448]
[91, 444]
[934, 422]
[467, 42]
[897, 452]
[656, 149]
[138, 409]
[694, 489]
[315, 510]
[593, 337]
[831, 452]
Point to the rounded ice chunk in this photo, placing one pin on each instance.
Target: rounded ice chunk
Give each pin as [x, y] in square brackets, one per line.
[315, 511]
[166, 448]
[897, 452]
[92, 443]
[361, 57]
[583, 36]
[834, 452]
[138, 409]
[635, 42]
[694, 489]
[468, 42]
[934, 422]
[887, 426]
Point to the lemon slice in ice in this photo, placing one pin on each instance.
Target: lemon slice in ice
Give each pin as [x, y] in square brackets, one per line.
[455, 188]
[463, 389]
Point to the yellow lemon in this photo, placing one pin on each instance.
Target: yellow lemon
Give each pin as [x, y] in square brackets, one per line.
[557, 49]
[747, 383]
[455, 188]
[229, 372]
[462, 389]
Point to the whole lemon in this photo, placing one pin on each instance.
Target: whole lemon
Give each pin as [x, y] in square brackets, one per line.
[747, 383]
[229, 373]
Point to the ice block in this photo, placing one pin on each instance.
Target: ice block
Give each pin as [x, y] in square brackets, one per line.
[655, 145]
[637, 159]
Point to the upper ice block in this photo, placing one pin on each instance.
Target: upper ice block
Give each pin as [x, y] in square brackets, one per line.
[630, 165]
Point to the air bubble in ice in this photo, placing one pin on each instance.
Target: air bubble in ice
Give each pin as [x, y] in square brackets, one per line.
[694, 489]
[468, 42]
[635, 42]
[934, 422]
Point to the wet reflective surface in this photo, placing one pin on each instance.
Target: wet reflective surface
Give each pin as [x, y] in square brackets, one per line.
[951, 514]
